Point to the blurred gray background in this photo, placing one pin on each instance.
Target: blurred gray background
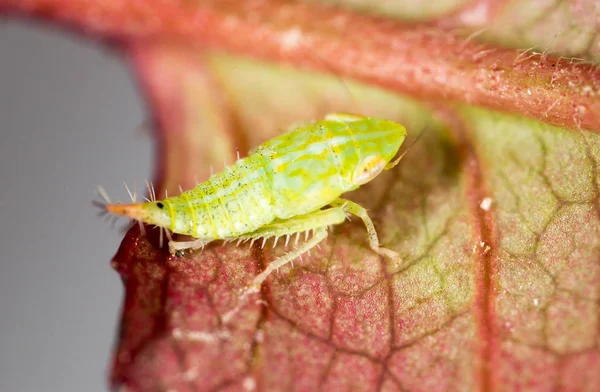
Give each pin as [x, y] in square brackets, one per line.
[69, 109]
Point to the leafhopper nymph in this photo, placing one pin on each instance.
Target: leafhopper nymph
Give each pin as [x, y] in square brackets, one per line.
[287, 185]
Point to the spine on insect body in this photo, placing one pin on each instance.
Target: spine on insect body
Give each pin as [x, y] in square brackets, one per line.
[231, 203]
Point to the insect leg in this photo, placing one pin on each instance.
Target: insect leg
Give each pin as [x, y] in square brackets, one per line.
[317, 221]
[319, 235]
[361, 212]
[176, 246]
[299, 223]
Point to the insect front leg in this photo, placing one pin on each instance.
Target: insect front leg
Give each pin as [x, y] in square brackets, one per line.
[361, 212]
[317, 221]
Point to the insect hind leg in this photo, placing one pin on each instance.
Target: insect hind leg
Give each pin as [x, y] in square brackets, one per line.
[361, 212]
[319, 235]
[175, 247]
[317, 221]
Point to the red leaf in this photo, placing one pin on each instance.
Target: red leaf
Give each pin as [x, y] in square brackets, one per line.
[496, 214]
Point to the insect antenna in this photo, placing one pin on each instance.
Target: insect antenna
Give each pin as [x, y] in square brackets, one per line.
[397, 160]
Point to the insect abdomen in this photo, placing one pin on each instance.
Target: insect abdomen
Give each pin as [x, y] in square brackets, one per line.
[231, 203]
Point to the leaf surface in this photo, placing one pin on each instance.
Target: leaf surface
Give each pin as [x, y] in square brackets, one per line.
[494, 209]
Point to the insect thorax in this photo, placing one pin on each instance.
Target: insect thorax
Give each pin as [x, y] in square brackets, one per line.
[309, 167]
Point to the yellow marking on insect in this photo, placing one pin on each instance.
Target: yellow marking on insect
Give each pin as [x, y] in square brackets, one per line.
[368, 169]
[287, 185]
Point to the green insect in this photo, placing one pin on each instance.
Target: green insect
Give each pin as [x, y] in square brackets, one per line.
[287, 185]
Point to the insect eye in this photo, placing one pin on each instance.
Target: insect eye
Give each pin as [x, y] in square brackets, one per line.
[368, 169]
[160, 205]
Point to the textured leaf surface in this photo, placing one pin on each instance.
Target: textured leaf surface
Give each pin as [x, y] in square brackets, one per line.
[488, 295]
[495, 214]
